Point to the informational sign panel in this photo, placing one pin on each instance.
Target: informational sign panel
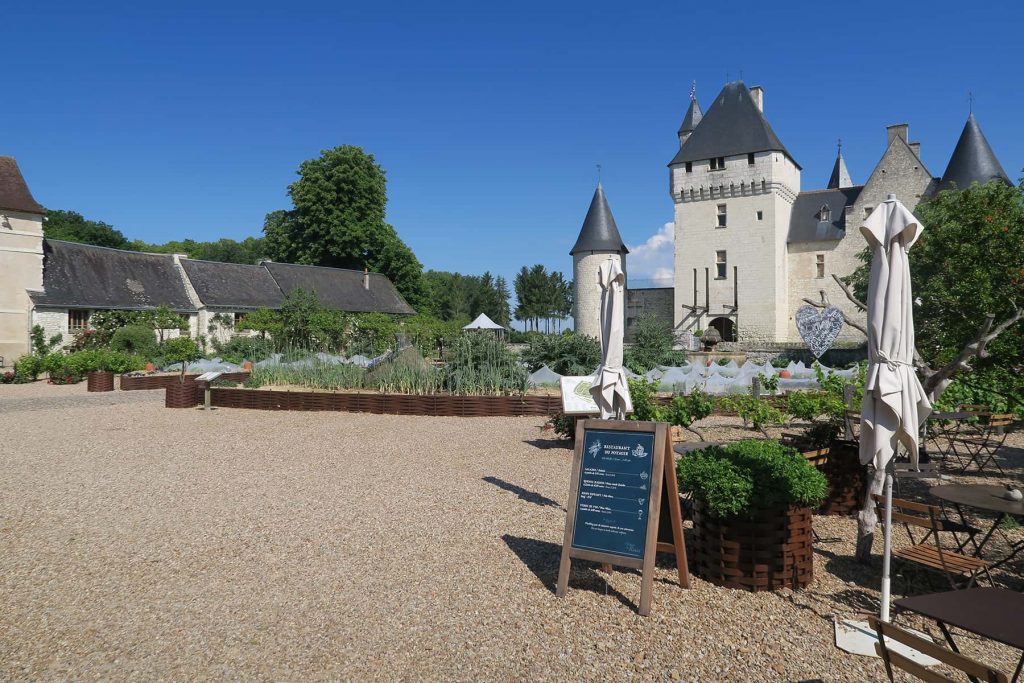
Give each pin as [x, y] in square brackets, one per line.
[613, 504]
[576, 396]
[623, 472]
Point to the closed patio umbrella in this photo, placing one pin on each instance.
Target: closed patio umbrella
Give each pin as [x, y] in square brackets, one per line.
[610, 389]
[895, 404]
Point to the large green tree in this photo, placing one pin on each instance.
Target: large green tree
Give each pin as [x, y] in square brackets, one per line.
[338, 220]
[72, 226]
[454, 296]
[250, 250]
[542, 296]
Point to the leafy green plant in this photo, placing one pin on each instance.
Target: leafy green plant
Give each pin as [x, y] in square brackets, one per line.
[652, 345]
[137, 339]
[743, 478]
[564, 425]
[40, 344]
[27, 368]
[642, 393]
[755, 412]
[684, 411]
[567, 354]
[482, 364]
[769, 383]
[239, 349]
[182, 350]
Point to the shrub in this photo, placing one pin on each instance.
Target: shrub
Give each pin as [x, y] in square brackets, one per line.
[182, 350]
[747, 476]
[1001, 389]
[137, 339]
[642, 393]
[564, 425]
[652, 345]
[755, 412]
[27, 368]
[566, 354]
[805, 405]
[239, 349]
[40, 345]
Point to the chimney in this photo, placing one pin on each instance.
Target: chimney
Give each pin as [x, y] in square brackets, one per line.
[897, 130]
[366, 279]
[757, 92]
[916, 148]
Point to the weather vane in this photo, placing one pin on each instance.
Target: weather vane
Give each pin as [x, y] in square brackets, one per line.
[693, 90]
[970, 100]
[598, 173]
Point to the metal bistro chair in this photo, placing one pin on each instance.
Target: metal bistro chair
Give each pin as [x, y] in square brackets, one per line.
[982, 446]
[974, 669]
[954, 564]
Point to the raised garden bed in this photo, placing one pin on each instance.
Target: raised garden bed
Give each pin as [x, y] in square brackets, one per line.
[771, 551]
[182, 395]
[129, 383]
[392, 404]
[100, 380]
[847, 479]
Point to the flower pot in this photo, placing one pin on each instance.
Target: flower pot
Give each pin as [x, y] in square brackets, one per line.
[182, 395]
[100, 380]
[785, 374]
[247, 365]
[770, 550]
[150, 367]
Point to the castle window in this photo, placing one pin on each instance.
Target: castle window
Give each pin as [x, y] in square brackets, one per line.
[689, 167]
[867, 211]
[78, 320]
[760, 215]
[721, 215]
[825, 214]
[750, 159]
[764, 186]
[691, 194]
[819, 266]
[720, 265]
[716, 163]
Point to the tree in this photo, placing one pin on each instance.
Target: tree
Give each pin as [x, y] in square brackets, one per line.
[182, 350]
[967, 271]
[338, 220]
[250, 250]
[72, 226]
[542, 296]
[262, 320]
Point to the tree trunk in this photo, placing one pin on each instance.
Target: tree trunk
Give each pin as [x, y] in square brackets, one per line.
[867, 518]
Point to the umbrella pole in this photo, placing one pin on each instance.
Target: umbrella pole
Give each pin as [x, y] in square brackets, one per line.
[887, 543]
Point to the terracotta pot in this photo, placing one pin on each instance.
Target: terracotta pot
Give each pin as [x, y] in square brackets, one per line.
[247, 365]
[769, 551]
[150, 367]
[100, 380]
[785, 374]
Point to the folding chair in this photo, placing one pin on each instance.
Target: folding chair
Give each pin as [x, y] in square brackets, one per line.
[973, 669]
[953, 563]
[981, 447]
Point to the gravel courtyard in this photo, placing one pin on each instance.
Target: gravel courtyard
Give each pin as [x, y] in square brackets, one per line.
[148, 543]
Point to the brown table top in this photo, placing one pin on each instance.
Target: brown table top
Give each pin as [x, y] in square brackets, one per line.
[994, 613]
[981, 496]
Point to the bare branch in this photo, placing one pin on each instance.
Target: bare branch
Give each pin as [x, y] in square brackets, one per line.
[974, 348]
[849, 293]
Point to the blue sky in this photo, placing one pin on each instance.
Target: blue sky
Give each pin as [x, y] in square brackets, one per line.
[189, 120]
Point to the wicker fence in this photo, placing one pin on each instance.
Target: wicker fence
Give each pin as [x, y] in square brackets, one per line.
[130, 383]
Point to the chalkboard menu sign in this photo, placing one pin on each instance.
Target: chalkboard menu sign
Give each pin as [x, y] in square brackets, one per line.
[623, 473]
[613, 504]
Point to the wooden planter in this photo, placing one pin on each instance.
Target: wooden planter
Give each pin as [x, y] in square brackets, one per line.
[100, 380]
[770, 551]
[182, 395]
[129, 383]
[847, 479]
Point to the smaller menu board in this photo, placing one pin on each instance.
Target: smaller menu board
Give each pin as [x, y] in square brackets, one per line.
[613, 504]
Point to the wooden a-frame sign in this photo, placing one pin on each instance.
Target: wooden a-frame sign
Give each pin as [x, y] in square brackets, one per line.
[623, 476]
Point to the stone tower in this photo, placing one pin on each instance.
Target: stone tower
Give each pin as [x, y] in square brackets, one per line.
[733, 183]
[973, 161]
[21, 259]
[599, 240]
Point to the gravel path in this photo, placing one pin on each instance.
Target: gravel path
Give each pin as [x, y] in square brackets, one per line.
[137, 541]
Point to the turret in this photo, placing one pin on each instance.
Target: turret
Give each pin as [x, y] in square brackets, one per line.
[973, 160]
[840, 176]
[599, 240]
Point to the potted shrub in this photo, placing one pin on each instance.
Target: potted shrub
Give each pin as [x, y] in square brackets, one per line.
[182, 350]
[109, 363]
[752, 514]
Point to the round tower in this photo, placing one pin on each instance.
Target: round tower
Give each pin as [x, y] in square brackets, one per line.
[599, 240]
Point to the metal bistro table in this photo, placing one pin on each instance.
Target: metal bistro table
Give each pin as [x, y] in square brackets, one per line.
[994, 613]
[983, 497]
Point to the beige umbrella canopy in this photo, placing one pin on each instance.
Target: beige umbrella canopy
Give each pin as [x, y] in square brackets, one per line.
[895, 404]
[610, 388]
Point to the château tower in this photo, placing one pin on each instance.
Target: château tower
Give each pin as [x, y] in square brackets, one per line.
[21, 258]
[599, 240]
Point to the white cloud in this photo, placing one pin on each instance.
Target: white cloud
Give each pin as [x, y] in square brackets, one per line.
[654, 259]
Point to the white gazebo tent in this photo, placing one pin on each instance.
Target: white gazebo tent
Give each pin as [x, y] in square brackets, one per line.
[482, 322]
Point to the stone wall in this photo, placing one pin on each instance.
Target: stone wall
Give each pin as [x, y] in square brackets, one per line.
[53, 321]
[656, 301]
[586, 306]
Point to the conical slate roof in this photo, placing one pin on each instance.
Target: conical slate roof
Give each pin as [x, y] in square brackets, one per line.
[14, 193]
[973, 160]
[732, 125]
[840, 176]
[599, 232]
[692, 118]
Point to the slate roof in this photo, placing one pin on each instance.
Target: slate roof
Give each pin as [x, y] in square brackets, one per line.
[692, 118]
[731, 126]
[340, 288]
[973, 160]
[840, 176]
[233, 285]
[599, 232]
[804, 222]
[84, 276]
[14, 192]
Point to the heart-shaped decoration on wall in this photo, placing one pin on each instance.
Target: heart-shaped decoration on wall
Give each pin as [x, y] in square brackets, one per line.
[819, 327]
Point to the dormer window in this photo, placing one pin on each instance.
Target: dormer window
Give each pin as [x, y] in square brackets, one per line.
[716, 163]
[750, 159]
[825, 214]
[689, 167]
